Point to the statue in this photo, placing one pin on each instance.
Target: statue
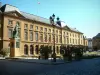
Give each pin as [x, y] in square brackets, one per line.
[15, 32]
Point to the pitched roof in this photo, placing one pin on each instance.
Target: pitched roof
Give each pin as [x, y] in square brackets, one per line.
[8, 8]
[72, 29]
[89, 39]
[34, 17]
[97, 36]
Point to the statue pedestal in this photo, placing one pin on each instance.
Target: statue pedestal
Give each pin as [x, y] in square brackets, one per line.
[14, 47]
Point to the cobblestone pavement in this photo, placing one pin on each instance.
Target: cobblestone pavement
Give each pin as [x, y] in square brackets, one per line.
[84, 67]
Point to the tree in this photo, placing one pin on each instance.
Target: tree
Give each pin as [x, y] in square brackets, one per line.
[78, 52]
[5, 51]
[45, 51]
[66, 52]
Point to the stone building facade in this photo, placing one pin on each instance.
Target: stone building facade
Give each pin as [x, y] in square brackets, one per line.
[96, 42]
[34, 31]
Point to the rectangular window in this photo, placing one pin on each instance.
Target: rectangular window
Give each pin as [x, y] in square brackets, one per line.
[76, 41]
[81, 36]
[73, 35]
[49, 38]
[49, 30]
[60, 39]
[64, 40]
[10, 22]
[57, 31]
[41, 28]
[17, 44]
[31, 27]
[25, 35]
[52, 38]
[45, 36]
[53, 31]
[10, 32]
[36, 36]
[67, 33]
[45, 29]
[26, 26]
[67, 41]
[64, 33]
[18, 23]
[56, 39]
[41, 37]
[70, 40]
[73, 41]
[36, 27]
[81, 42]
[31, 36]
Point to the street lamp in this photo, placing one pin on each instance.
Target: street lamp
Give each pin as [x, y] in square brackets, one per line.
[52, 22]
[59, 23]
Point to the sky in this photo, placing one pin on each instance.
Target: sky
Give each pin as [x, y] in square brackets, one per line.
[84, 15]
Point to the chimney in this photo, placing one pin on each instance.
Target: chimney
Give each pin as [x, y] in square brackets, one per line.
[0, 4]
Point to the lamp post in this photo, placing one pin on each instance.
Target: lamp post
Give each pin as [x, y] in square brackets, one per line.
[59, 23]
[52, 22]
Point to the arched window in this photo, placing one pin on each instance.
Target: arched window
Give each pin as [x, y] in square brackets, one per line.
[37, 49]
[31, 50]
[26, 49]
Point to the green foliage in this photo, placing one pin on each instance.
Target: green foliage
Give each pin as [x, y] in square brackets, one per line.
[95, 48]
[62, 50]
[45, 51]
[90, 57]
[75, 50]
[4, 52]
[67, 53]
[78, 52]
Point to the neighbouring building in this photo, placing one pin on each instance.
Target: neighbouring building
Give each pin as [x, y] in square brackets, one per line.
[90, 48]
[96, 42]
[35, 31]
[85, 41]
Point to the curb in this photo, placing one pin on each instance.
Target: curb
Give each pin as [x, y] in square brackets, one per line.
[50, 63]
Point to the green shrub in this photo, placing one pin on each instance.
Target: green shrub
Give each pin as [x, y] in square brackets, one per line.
[4, 52]
[45, 51]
